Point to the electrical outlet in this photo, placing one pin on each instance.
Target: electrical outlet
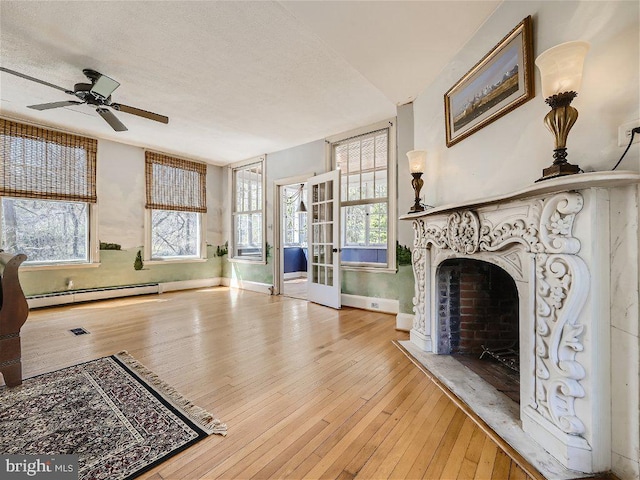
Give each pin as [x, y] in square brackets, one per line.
[624, 133]
[375, 305]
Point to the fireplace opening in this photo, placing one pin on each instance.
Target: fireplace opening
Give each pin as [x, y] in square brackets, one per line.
[478, 321]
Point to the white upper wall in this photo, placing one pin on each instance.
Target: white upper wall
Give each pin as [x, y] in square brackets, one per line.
[511, 152]
[303, 160]
[122, 196]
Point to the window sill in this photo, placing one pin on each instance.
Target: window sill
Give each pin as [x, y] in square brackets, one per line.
[368, 269]
[247, 260]
[58, 266]
[167, 261]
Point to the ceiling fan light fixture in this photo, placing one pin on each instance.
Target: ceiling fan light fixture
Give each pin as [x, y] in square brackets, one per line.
[104, 86]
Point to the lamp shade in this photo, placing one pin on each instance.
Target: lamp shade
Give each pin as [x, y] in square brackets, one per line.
[561, 68]
[417, 161]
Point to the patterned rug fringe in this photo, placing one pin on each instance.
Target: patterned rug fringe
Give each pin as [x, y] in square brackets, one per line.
[198, 415]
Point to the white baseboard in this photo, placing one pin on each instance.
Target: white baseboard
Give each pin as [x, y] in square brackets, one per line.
[404, 321]
[65, 298]
[248, 285]
[189, 284]
[385, 305]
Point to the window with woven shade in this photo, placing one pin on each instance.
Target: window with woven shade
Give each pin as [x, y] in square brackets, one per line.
[47, 186]
[176, 201]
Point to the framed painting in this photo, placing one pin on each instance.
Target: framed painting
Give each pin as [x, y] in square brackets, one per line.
[500, 82]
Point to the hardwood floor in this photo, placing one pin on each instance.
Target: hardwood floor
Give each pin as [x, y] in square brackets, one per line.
[306, 391]
[296, 288]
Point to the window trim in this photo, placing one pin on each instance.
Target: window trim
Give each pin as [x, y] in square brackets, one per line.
[262, 260]
[392, 193]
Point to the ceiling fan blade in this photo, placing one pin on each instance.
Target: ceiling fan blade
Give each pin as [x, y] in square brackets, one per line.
[47, 106]
[37, 80]
[141, 113]
[111, 119]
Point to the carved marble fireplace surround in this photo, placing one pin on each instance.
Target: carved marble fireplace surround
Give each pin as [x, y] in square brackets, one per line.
[571, 246]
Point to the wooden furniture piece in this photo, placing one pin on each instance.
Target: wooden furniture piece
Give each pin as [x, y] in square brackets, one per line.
[13, 313]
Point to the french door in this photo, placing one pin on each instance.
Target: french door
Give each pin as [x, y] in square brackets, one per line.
[324, 239]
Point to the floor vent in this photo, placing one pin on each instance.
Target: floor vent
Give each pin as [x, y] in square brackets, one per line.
[79, 331]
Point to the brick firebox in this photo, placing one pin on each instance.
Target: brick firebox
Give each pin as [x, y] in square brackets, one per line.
[477, 306]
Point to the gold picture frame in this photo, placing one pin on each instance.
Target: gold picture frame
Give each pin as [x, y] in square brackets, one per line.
[500, 82]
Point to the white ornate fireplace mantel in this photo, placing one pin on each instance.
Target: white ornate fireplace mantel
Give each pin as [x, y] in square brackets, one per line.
[555, 240]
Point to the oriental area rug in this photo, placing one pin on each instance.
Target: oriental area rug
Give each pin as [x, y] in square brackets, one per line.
[116, 415]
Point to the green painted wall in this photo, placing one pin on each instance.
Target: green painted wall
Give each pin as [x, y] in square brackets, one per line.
[116, 269]
[248, 271]
[397, 286]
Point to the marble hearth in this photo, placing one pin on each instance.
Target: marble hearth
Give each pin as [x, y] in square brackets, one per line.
[571, 247]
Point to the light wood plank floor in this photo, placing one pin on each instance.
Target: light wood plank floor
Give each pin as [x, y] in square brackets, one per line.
[296, 288]
[306, 391]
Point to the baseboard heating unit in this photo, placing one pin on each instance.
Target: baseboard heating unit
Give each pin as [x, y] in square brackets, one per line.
[86, 295]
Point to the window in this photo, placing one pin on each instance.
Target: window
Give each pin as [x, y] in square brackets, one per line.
[365, 226]
[295, 228]
[175, 234]
[248, 211]
[48, 191]
[367, 164]
[176, 202]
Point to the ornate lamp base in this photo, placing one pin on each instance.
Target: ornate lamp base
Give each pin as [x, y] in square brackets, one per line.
[416, 208]
[417, 183]
[560, 168]
[559, 121]
[558, 171]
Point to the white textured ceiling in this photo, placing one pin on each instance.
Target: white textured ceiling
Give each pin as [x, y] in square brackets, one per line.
[236, 78]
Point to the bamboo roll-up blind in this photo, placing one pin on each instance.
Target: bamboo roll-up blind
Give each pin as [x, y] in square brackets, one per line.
[40, 163]
[175, 184]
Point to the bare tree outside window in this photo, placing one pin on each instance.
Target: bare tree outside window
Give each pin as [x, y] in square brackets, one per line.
[174, 234]
[46, 231]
